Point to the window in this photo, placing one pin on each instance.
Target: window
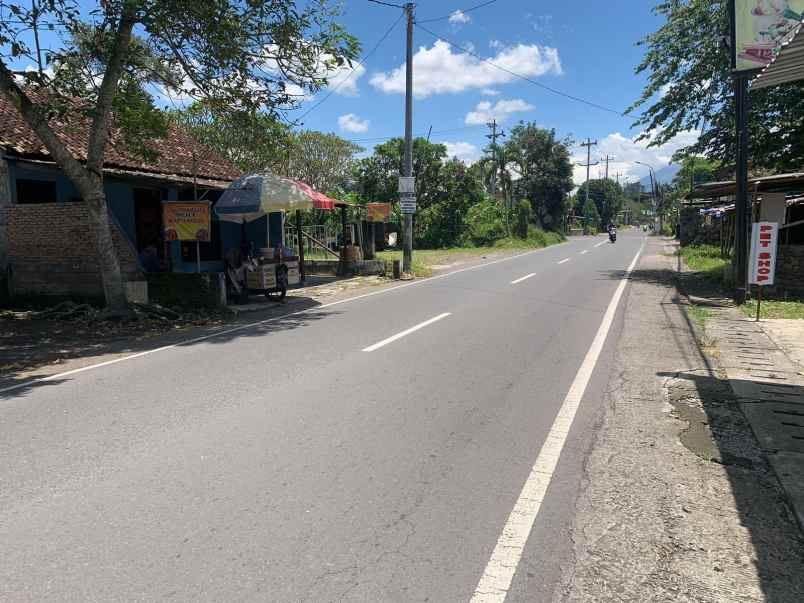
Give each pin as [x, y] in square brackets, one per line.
[35, 191]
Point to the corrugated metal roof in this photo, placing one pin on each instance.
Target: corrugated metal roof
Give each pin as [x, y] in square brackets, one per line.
[787, 65]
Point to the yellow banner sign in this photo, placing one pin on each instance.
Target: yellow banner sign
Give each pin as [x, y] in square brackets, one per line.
[186, 221]
[760, 28]
[378, 212]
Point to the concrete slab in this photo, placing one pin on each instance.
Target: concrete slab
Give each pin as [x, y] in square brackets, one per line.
[788, 467]
[777, 426]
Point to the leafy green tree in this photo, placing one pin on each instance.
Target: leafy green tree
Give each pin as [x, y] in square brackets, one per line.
[377, 175]
[252, 140]
[324, 161]
[442, 223]
[543, 164]
[591, 215]
[697, 170]
[232, 54]
[523, 211]
[690, 86]
[607, 197]
[485, 222]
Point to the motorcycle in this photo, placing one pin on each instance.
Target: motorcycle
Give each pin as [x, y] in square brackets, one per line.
[613, 235]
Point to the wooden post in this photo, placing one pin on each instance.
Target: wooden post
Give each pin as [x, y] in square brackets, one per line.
[198, 256]
[343, 224]
[759, 300]
[369, 249]
[300, 235]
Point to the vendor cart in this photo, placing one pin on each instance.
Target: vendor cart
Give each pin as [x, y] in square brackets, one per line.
[272, 277]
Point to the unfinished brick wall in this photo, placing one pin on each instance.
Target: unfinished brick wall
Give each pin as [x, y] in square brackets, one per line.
[51, 251]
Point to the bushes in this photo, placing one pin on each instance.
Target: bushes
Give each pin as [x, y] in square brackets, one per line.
[485, 223]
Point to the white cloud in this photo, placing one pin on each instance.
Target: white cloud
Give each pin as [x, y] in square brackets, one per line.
[343, 80]
[458, 17]
[464, 151]
[440, 71]
[352, 123]
[501, 110]
[496, 44]
[626, 152]
[489, 92]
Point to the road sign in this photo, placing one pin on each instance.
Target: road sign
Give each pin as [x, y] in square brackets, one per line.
[407, 185]
[378, 212]
[407, 203]
[762, 265]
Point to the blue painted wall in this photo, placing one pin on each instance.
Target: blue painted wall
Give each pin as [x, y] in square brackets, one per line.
[265, 232]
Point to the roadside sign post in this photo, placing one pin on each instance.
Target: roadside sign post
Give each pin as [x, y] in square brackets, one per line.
[762, 264]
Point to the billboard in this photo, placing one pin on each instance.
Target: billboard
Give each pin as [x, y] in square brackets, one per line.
[760, 26]
[764, 242]
[186, 221]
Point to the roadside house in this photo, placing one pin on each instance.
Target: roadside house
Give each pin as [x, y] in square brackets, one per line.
[46, 240]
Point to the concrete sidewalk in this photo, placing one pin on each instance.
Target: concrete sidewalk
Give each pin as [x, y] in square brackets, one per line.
[763, 364]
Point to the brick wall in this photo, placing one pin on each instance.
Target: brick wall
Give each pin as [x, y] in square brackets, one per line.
[51, 250]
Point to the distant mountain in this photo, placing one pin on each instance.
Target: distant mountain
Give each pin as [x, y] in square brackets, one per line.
[664, 175]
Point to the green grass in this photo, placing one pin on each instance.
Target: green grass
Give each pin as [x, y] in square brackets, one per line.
[774, 309]
[424, 260]
[707, 260]
[699, 314]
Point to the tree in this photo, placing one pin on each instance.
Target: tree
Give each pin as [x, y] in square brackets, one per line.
[252, 140]
[377, 175]
[695, 170]
[443, 221]
[690, 86]
[523, 211]
[231, 54]
[324, 161]
[607, 197]
[545, 170]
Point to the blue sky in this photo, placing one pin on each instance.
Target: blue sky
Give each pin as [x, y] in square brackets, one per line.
[582, 48]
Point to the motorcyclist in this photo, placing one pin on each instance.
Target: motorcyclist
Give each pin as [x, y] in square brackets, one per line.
[612, 230]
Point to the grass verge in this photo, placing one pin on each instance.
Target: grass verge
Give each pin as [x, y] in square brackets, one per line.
[426, 261]
[774, 309]
[708, 261]
[699, 314]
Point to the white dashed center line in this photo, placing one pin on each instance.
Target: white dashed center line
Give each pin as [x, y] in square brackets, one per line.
[601, 243]
[564, 260]
[393, 338]
[584, 251]
[524, 278]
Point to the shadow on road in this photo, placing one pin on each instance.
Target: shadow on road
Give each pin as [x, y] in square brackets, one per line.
[46, 345]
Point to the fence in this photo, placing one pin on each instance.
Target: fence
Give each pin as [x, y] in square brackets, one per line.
[320, 232]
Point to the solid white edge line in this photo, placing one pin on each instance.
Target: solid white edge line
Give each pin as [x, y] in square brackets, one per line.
[258, 323]
[404, 333]
[564, 260]
[524, 278]
[496, 579]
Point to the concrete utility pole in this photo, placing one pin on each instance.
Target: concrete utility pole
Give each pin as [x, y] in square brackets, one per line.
[407, 239]
[607, 159]
[494, 136]
[588, 144]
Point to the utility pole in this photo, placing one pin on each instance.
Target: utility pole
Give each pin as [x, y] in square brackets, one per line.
[407, 168]
[607, 159]
[494, 136]
[588, 144]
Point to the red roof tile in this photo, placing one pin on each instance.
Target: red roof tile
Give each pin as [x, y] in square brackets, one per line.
[175, 150]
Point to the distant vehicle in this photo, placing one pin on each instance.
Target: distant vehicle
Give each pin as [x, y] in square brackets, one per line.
[613, 234]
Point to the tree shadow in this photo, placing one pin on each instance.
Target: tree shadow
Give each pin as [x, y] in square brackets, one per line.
[31, 352]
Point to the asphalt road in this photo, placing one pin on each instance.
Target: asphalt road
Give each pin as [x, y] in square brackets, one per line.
[285, 462]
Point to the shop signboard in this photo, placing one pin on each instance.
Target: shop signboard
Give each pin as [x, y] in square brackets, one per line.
[378, 212]
[764, 240]
[760, 27]
[186, 221]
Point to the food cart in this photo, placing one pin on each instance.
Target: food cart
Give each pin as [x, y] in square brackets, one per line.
[268, 271]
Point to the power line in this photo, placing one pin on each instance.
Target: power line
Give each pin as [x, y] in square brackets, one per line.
[468, 10]
[524, 78]
[361, 63]
[387, 4]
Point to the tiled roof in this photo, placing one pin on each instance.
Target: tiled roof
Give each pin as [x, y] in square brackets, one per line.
[175, 150]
